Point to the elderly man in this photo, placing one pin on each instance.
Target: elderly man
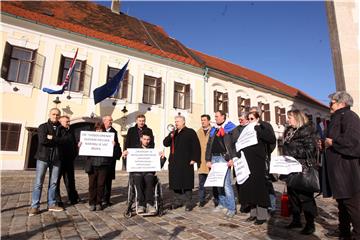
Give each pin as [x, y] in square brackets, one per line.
[184, 153]
[107, 121]
[342, 166]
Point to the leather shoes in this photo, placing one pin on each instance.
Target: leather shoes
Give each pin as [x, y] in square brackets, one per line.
[308, 230]
[294, 225]
[188, 208]
[259, 222]
[250, 219]
[202, 204]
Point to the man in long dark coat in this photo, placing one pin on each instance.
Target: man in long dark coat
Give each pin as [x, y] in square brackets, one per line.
[184, 153]
[343, 162]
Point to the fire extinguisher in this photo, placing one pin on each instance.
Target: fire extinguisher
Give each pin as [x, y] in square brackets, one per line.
[285, 204]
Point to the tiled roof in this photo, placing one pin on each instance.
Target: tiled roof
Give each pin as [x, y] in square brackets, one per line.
[99, 22]
[255, 77]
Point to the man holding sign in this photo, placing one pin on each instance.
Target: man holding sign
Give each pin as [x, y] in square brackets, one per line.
[144, 180]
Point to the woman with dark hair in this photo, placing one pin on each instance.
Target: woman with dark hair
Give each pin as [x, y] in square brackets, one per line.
[300, 142]
[97, 168]
[254, 192]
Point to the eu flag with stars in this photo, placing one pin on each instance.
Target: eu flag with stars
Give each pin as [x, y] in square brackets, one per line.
[109, 88]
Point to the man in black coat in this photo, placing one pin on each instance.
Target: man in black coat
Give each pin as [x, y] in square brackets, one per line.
[184, 153]
[47, 156]
[68, 153]
[133, 135]
[342, 162]
[107, 121]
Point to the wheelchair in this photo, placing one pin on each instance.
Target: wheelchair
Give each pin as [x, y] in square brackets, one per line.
[132, 200]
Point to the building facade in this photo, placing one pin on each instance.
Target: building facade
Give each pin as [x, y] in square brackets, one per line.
[164, 78]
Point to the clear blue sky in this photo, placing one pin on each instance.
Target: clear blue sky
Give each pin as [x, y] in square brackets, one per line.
[288, 41]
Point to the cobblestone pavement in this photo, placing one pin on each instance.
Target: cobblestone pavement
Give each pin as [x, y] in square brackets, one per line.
[77, 222]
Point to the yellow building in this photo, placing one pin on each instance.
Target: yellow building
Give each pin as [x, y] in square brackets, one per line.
[164, 78]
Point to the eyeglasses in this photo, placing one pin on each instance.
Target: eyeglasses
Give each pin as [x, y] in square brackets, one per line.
[331, 103]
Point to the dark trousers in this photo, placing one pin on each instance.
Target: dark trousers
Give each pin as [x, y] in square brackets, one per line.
[183, 196]
[349, 212]
[107, 189]
[202, 190]
[145, 183]
[68, 175]
[96, 184]
[302, 201]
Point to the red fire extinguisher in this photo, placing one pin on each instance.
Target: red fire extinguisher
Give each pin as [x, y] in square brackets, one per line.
[285, 204]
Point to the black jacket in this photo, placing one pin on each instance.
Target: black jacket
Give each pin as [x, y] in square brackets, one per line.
[300, 142]
[48, 149]
[69, 149]
[133, 138]
[230, 148]
[116, 154]
[342, 162]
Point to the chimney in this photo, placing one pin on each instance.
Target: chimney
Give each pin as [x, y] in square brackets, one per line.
[115, 6]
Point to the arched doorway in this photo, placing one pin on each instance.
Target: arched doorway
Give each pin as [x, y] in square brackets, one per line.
[30, 160]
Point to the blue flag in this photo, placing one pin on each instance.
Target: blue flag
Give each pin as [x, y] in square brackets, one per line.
[109, 88]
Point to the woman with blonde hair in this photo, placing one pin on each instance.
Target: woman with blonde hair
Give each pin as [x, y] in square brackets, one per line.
[300, 142]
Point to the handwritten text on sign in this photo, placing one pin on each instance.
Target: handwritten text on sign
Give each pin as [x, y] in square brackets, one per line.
[96, 144]
[142, 160]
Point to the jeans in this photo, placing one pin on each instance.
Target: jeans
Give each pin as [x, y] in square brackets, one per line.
[272, 202]
[41, 168]
[226, 193]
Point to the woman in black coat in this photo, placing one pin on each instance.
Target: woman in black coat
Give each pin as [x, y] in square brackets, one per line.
[254, 192]
[184, 153]
[300, 140]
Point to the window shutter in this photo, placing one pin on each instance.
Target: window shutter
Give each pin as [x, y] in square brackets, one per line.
[124, 85]
[187, 97]
[247, 105]
[158, 91]
[267, 112]
[277, 115]
[6, 61]
[239, 104]
[87, 80]
[130, 87]
[225, 102]
[61, 70]
[38, 70]
[282, 116]
[215, 101]
[174, 100]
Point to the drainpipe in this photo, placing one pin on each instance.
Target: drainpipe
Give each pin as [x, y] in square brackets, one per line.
[206, 78]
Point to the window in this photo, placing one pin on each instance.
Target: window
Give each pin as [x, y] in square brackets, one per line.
[22, 65]
[310, 117]
[243, 105]
[265, 109]
[10, 135]
[122, 92]
[78, 75]
[220, 101]
[152, 90]
[280, 116]
[182, 96]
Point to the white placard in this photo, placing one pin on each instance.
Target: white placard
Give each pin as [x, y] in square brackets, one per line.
[96, 143]
[142, 160]
[216, 176]
[284, 165]
[248, 137]
[241, 168]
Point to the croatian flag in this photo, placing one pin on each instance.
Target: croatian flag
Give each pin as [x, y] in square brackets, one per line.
[59, 89]
[111, 87]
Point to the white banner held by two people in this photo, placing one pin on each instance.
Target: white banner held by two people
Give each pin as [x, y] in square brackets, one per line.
[96, 144]
[143, 160]
[248, 137]
[284, 165]
[216, 176]
[241, 168]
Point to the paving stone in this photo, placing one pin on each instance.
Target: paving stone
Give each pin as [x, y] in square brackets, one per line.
[78, 222]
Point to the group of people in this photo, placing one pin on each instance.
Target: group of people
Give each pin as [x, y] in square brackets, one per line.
[217, 143]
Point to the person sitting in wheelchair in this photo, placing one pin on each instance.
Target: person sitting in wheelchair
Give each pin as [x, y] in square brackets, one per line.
[145, 181]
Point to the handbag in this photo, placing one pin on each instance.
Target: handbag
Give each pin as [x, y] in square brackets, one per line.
[307, 180]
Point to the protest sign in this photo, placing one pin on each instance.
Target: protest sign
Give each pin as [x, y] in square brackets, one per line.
[216, 176]
[96, 144]
[248, 137]
[142, 160]
[241, 168]
[284, 165]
